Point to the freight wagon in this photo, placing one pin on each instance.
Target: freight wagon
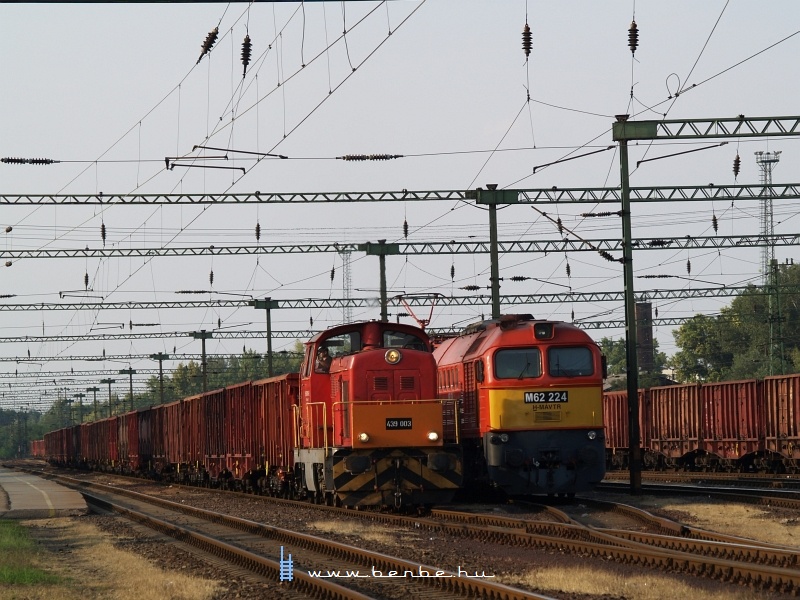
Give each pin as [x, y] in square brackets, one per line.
[748, 425]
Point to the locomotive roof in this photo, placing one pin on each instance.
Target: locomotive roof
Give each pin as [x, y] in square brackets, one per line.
[359, 325]
[508, 330]
[502, 320]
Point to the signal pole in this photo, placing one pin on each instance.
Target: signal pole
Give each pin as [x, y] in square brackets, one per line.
[381, 250]
[95, 390]
[634, 450]
[160, 357]
[130, 373]
[109, 382]
[203, 335]
[268, 304]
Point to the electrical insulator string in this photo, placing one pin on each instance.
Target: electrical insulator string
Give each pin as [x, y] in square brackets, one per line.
[246, 50]
[209, 42]
[633, 37]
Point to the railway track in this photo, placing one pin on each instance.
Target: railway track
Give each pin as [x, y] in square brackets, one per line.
[317, 567]
[636, 538]
[748, 480]
[665, 545]
[764, 497]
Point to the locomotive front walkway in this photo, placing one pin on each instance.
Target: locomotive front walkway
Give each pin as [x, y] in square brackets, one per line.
[24, 496]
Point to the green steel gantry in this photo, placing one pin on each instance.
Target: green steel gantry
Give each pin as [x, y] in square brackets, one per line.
[624, 131]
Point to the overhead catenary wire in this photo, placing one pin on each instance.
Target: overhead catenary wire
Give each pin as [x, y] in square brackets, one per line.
[244, 171]
[251, 229]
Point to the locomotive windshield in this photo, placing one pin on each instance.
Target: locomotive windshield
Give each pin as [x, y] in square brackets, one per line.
[570, 362]
[517, 363]
[398, 339]
[346, 343]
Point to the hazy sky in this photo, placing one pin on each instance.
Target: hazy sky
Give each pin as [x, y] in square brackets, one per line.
[112, 90]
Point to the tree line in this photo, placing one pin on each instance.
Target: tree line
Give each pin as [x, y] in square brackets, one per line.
[756, 336]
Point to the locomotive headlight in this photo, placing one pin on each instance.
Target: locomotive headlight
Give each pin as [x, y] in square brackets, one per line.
[499, 439]
[592, 435]
[433, 436]
[363, 437]
[393, 356]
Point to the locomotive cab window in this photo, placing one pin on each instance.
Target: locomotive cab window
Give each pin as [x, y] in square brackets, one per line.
[570, 362]
[517, 363]
[397, 339]
[344, 344]
[308, 362]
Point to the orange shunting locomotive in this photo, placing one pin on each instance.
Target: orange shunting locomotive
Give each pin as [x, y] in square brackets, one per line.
[370, 429]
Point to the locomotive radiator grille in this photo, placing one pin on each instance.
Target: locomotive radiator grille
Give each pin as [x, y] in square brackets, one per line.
[407, 383]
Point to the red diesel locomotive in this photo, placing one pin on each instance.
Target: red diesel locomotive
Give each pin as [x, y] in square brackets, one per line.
[530, 404]
[370, 428]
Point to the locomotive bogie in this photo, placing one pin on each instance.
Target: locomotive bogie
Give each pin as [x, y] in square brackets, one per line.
[385, 475]
[396, 476]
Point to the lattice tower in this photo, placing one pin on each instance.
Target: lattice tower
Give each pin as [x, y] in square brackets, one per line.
[347, 286]
[766, 161]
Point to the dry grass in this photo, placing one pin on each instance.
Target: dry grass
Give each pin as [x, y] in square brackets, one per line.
[365, 531]
[94, 569]
[732, 519]
[598, 582]
[355, 529]
[746, 521]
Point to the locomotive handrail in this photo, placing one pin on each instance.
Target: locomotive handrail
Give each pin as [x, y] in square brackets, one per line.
[408, 401]
[296, 424]
[310, 423]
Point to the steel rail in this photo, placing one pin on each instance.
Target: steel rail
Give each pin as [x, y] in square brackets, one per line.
[447, 581]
